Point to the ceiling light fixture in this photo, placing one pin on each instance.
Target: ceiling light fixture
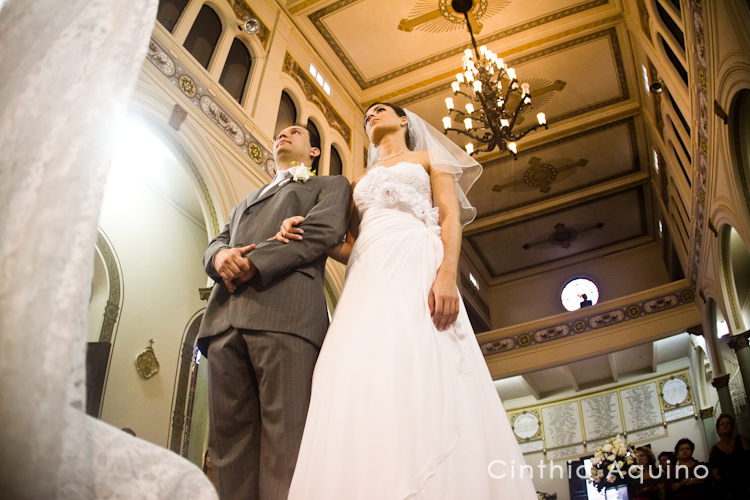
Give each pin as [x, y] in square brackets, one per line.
[496, 98]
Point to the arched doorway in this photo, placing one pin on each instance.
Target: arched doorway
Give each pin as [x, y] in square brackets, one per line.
[735, 260]
[154, 215]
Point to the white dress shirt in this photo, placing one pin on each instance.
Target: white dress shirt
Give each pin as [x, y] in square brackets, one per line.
[280, 176]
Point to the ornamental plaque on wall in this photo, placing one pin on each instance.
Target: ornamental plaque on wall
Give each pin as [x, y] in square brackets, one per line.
[146, 362]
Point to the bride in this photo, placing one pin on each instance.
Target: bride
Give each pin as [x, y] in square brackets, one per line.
[402, 403]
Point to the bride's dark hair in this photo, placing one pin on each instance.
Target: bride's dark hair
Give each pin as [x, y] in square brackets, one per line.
[400, 112]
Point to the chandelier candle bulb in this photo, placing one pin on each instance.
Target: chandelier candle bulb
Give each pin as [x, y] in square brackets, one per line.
[477, 86]
[500, 63]
[512, 147]
[525, 89]
[483, 50]
[469, 108]
[469, 148]
[447, 122]
[469, 76]
[541, 118]
[504, 122]
[467, 123]
[449, 103]
[467, 52]
[456, 86]
[511, 73]
[460, 77]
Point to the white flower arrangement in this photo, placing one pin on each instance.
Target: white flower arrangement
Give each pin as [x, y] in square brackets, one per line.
[611, 462]
[301, 173]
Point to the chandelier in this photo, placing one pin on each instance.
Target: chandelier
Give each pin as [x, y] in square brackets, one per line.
[496, 98]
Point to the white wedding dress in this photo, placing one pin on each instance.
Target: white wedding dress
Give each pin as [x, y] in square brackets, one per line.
[400, 410]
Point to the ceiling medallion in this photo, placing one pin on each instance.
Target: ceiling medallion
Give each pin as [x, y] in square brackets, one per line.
[563, 235]
[425, 17]
[540, 175]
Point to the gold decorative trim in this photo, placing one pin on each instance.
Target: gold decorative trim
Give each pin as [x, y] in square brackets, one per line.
[317, 19]
[315, 95]
[302, 6]
[581, 324]
[187, 86]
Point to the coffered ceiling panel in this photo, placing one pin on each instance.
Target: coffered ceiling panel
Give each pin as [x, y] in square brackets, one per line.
[364, 33]
[578, 161]
[565, 233]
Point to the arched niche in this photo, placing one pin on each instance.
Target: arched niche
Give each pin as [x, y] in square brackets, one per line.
[739, 141]
[735, 264]
[204, 35]
[236, 71]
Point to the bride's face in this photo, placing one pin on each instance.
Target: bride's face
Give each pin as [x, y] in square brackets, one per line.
[381, 120]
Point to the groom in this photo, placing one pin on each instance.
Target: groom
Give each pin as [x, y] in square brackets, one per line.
[266, 319]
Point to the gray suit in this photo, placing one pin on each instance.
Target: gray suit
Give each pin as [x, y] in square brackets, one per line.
[262, 341]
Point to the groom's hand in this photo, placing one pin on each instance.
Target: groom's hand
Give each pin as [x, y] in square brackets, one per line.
[234, 267]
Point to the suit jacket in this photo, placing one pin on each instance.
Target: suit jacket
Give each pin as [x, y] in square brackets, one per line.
[287, 292]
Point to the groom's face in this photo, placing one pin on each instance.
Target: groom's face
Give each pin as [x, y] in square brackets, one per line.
[293, 144]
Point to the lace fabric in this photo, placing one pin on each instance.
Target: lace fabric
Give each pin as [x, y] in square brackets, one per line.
[67, 77]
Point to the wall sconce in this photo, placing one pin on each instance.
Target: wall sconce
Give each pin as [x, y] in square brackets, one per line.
[250, 26]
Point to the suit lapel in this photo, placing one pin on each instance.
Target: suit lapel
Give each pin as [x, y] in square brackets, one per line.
[269, 193]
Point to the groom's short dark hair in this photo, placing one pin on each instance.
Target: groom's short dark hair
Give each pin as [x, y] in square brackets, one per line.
[314, 142]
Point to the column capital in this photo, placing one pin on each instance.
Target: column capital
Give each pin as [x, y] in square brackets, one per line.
[720, 381]
[739, 341]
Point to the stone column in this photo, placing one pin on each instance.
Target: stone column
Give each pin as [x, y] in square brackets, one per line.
[740, 345]
[721, 383]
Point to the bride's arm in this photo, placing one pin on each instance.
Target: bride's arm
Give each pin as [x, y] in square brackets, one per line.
[341, 252]
[444, 299]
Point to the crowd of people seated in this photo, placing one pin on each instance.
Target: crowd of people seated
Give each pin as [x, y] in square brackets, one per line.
[680, 476]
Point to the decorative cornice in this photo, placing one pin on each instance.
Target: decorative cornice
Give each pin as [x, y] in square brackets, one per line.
[198, 94]
[699, 184]
[581, 324]
[317, 17]
[315, 95]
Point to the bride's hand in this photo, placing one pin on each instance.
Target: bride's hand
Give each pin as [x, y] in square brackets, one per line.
[288, 230]
[443, 302]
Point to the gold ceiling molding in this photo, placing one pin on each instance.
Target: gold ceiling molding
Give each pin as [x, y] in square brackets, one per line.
[243, 11]
[314, 94]
[302, 6]
[532, 45]
[317, 19]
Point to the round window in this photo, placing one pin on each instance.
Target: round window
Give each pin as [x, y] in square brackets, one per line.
[579, 292]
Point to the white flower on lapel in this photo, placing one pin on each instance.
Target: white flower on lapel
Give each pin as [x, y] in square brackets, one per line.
[301, 173]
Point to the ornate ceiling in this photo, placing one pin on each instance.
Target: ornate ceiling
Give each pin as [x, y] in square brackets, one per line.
[575, 189]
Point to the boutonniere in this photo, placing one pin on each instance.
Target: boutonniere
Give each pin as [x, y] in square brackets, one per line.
[301, 173]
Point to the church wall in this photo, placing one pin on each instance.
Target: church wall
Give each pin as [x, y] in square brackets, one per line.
[159, 250]
[538, 296]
